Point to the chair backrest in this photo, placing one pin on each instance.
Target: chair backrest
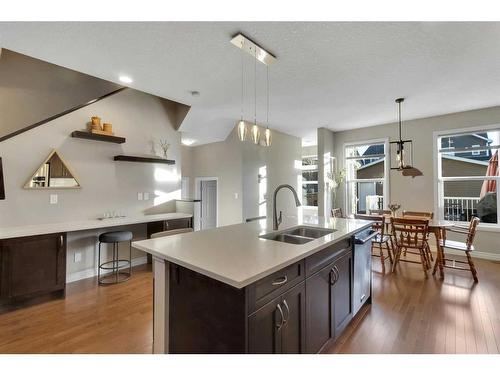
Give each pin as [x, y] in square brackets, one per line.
[380, 212]
[337, 212]
[472, 231]
[378, 221]
[428, 215]
[410, 232]
[166, 233]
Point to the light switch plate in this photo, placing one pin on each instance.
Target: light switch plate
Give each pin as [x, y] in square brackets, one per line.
[139, 196]
[235, 195]
[78, 257]
[146, 196]
[53, 198]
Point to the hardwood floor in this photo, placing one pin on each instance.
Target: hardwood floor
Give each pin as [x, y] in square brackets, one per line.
[91, 319]
[410, 314]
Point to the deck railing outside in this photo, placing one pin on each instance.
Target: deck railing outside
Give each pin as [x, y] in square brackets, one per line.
[460, 208]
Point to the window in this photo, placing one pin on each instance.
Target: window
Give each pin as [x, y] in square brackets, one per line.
[310, 180]
[476, 153]
[466, 184]
[366, 176]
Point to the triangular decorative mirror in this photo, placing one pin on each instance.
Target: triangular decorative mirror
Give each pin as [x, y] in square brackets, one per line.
[53, 173]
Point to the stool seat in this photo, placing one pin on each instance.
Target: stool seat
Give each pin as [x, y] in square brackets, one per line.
[117, 236]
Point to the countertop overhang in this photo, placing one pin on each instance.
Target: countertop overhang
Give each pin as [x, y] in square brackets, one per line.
[72, 226]
[237, 256]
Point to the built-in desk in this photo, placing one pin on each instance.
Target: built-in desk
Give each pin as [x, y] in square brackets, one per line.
[33, 257]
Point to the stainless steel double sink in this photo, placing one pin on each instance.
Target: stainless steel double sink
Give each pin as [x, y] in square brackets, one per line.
[298, 235]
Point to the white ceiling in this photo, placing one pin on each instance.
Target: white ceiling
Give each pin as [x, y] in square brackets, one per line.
[336, 75]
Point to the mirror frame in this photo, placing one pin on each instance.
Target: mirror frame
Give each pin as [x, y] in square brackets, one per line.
[54, 151]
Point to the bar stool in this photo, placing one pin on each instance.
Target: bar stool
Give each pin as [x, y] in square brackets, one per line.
[116, 265]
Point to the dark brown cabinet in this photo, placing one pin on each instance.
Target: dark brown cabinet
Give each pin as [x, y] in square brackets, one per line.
[319, 310]
[297, 309]
[163, 225]
[329, 302]
[342, 293]
[279, 326]
[32, 266]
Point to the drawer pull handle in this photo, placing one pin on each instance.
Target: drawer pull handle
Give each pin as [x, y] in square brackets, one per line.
[280, 281]
[280, 324]
[285, 321]
[362, 298]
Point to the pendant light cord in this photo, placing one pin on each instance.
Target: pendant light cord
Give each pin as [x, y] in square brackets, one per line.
[267, 115]
[255, 85]
[242, 75]
[399, 113]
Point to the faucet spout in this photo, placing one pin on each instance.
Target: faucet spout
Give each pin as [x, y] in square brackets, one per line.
[277, 220]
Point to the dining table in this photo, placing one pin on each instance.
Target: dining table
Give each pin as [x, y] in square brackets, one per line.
[435, 226]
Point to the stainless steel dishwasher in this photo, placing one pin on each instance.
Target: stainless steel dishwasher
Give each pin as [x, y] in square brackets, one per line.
[362, 267]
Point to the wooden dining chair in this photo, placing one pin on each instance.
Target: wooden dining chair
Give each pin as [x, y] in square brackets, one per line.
[410, 234]
[426, 215]
[337, 212]
[381, 239]
[467, 247]
[380, 212]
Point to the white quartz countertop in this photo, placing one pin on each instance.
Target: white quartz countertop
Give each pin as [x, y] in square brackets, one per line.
[235, 254]
[71, 226]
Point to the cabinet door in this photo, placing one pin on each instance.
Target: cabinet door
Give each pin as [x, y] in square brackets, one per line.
[177, 224]
[342, 293]
[319, 309]
[32, 265]
[264, 329]
[293, 330]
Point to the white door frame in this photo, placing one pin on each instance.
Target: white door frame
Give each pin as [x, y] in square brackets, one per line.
[197, 195]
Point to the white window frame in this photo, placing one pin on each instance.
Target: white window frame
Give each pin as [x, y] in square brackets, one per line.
[387, 168]
[302, 182]
[439, 181]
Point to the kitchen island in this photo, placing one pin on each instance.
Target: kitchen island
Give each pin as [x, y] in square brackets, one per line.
[229, 290]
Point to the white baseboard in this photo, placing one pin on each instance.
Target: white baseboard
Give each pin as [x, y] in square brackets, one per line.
[91, 272]
[476, 254]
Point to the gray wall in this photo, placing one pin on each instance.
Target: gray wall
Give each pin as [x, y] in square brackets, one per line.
[236, 166]
[33, 90]
[105, 184]
[326, 147]
[418, 193]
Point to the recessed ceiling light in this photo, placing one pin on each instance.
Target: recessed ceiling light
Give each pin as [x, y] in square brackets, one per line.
[188, 141]
[125, 79]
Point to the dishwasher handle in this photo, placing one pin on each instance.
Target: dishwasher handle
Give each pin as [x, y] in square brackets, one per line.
[360, 241]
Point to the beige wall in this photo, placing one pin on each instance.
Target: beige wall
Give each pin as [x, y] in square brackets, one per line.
[236, 165]
[106, 185]
[33, 90]
[221, 160]
[326, 150]
[418, 193]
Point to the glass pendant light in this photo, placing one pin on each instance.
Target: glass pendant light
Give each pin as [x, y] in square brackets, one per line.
[267, 133]
[242, 127]
[255, 129]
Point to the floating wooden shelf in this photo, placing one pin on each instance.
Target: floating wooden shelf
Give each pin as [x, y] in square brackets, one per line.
[97, 137]
[142, 159]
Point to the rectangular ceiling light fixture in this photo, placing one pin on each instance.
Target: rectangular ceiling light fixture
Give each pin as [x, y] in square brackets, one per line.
[249, 46]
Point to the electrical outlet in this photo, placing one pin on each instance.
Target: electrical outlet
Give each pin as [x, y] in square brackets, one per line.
[139, 196]
[235, 195]
[78, 257]
[53, 198]
[146, 196]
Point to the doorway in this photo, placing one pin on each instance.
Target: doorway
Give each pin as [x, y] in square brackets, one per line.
[206, 216]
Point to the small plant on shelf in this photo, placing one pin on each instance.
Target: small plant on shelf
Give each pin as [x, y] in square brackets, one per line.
[164, 147]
